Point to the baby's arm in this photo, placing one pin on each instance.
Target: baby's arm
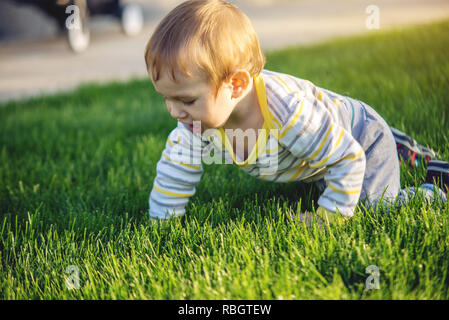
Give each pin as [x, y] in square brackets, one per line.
[311, 133]
[177, 173]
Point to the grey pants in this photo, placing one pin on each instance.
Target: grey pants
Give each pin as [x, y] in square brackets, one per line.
[382, 173]
[381, 183]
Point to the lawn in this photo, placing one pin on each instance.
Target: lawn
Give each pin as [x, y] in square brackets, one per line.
[76, 170]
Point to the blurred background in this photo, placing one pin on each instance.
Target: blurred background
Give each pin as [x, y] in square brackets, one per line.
[44, 49]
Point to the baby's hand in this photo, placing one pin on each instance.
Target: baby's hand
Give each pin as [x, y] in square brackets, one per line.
[330, 217]
[321, 217]
[309, 218]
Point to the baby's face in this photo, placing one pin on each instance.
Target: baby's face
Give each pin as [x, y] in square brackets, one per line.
[193, 99]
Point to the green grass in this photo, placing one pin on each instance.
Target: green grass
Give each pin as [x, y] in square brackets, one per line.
[77, 168]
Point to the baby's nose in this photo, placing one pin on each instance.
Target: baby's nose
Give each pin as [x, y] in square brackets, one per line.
[175, 112]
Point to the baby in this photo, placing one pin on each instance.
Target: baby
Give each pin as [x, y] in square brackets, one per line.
[205, 59]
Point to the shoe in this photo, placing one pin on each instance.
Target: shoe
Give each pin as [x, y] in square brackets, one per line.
[132, 19]
[77, 26]
[410, 151]
[438, 174]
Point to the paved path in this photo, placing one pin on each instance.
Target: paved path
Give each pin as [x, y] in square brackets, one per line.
[46, 66]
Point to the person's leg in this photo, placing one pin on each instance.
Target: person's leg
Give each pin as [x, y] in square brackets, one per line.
[438, 174]
[381, 186]
[411, 151]
[436, 185]
[381, 182]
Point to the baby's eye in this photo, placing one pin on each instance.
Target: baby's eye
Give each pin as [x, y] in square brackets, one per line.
[188, 103]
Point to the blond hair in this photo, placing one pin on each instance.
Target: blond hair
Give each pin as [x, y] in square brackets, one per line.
[213, 35]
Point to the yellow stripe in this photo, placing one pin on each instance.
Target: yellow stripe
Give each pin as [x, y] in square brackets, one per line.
[320, 95]
[169, 142]
[322, 142]
[335, 102]
[183, 164]
[273, 150]
[343, 191]
[350, 157]
[259, 83]
[297, 115]
[174, 194]
[292, 123]
[330, 154]
[288, 88]
[298, 172]
[275, 120]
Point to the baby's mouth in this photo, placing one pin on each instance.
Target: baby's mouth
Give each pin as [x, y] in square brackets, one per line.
[196, 127]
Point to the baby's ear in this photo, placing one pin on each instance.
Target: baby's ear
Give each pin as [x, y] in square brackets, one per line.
[240, 81]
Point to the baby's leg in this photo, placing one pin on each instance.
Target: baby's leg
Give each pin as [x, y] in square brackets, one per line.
[428, 191]
[436, 186]
[411, 151]
[381, 182]
[381, 185]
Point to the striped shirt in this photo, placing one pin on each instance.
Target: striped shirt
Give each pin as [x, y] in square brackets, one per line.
[306, 136]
